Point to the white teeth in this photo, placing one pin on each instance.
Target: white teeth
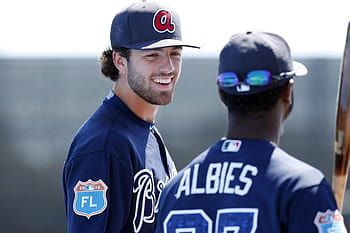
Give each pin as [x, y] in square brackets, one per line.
[162, 81]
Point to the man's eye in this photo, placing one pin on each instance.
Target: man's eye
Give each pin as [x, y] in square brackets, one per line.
[152, 55]
[176, 54]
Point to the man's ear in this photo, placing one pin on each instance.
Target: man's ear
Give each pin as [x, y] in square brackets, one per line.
[288, 92]
[120, 62]
[222, 97]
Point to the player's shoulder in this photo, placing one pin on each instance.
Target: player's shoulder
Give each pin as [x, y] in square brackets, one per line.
[101, 134]
[292, 169]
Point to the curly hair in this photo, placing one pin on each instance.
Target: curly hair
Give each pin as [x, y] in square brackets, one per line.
[245, 104]
[108, 68]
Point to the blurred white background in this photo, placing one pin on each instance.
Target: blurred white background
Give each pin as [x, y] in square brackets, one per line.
[81, 28]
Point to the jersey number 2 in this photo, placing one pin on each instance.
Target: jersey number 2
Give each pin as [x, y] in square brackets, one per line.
[235, 220]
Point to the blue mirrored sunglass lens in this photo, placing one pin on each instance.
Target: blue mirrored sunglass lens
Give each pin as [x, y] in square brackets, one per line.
[258, 77]
[228, 79]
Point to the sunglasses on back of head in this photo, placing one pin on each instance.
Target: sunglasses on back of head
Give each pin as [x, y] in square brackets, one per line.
[252, 78]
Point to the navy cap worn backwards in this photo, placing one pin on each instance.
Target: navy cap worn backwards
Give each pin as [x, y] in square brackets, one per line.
[146, 25]
[257, 51]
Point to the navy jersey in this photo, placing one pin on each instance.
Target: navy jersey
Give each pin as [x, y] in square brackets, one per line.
[115, 169]
[246, 186]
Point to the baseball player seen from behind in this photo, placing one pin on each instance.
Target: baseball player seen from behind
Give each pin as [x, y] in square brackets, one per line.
[117, 163]
[245, 182]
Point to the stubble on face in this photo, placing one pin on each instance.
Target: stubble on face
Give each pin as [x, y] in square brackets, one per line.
[141, 85]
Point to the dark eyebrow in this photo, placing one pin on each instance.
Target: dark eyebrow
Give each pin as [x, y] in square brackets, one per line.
[177, 48]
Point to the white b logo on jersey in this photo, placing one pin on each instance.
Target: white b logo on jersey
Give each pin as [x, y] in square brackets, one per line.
[144, 188]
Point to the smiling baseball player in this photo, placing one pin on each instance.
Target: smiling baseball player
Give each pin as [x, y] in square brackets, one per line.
[118, 164]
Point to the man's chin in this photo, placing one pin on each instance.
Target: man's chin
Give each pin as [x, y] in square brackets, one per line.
[165, 99]
[164, 102]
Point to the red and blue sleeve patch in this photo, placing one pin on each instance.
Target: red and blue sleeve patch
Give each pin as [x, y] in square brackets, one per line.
[90, 198]
[330, 221]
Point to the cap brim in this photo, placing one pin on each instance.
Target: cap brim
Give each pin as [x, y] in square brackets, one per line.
[299, 69]
[160, 44]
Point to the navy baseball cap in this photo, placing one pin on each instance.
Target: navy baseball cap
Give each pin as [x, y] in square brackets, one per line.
[146, 25]
[250, 51]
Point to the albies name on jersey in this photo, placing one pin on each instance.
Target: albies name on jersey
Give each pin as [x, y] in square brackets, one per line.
[222, 177]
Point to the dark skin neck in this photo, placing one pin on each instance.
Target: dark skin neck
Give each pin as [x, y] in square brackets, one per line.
[265, 125]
